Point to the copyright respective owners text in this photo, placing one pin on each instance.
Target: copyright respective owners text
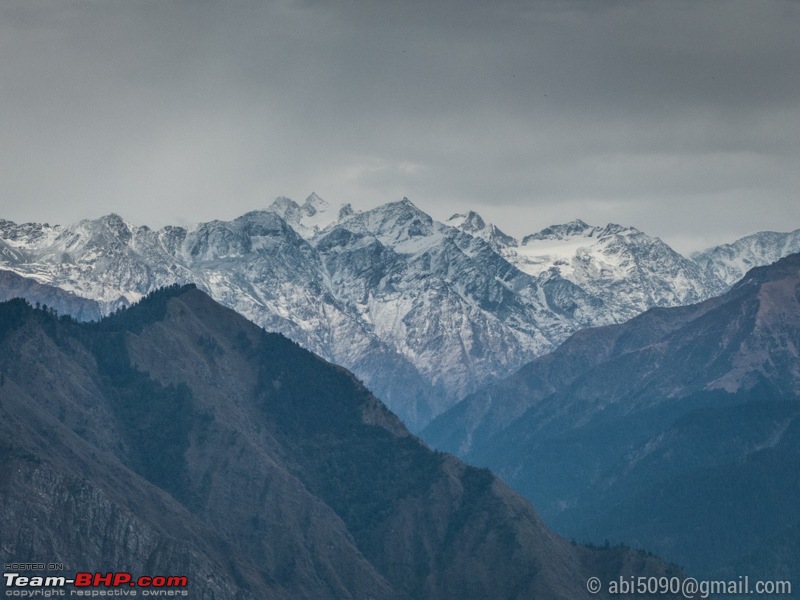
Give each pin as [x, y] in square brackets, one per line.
[687, 587]
[51, 579]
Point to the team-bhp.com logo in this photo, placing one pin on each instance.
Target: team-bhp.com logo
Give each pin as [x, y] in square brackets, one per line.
[118, 583]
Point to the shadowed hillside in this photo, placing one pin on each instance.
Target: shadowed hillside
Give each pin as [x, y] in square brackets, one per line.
[176, 437]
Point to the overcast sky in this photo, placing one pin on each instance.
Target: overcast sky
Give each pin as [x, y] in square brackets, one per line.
[681, 118]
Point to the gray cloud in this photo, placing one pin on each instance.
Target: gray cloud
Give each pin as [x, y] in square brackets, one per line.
[681, 118]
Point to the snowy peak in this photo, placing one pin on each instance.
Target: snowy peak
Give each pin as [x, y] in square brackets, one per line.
[113, 222]
[253, 232]
[473, 224]
[399, 225]
[451, 305]
[629, 270]
[346, 211]
[469, 222]
[563, 231]
[309, 218]
[285, 207]
[104, 237]
[579, 229]
[729, 262]
[556, 246]
[111, 226]
[314, 205]
[616, 229]
[614, 248]
[31, 235]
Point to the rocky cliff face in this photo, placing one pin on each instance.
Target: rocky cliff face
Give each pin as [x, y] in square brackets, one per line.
[178, 438]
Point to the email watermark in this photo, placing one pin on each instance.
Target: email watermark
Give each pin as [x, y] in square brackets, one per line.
[687, 587]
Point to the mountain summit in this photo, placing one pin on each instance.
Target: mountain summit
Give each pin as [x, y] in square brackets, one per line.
[307, 218]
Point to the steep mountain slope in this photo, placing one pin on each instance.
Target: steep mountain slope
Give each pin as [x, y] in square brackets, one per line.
[176, 437]
[688, 413]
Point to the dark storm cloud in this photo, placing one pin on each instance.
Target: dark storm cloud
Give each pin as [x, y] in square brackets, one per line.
[681, 118]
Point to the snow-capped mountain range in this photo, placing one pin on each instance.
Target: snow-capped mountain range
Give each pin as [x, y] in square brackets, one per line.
[422, 311]
[627, 269]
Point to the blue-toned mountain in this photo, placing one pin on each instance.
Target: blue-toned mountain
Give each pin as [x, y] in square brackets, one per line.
[678, 430]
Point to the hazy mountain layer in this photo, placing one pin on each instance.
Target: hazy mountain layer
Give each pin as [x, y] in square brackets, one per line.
[63, 302]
